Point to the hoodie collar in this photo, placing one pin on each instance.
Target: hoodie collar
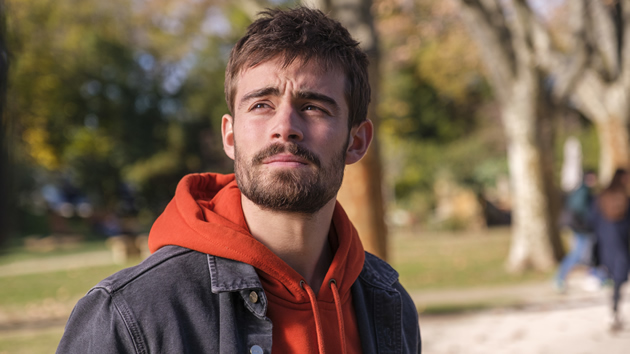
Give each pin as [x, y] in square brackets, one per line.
[206, 215]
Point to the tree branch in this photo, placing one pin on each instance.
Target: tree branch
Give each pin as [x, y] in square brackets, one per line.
[523, 28]
[564, 69]
[494, 39]
[587, 95]
[604, 37]
[625, 42]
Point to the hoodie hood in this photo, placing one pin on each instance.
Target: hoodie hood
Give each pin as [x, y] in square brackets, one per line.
[206, 215]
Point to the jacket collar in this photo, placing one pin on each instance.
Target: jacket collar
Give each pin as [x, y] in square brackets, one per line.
[378, 273]
[227, 275]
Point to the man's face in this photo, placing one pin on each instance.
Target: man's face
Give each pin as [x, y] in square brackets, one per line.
[289, 135]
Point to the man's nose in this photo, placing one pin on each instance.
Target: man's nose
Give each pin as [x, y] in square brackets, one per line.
[287, 124]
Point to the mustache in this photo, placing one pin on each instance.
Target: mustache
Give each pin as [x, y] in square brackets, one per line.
[291, 148]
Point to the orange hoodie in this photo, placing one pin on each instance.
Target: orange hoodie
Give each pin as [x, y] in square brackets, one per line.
[206, 215]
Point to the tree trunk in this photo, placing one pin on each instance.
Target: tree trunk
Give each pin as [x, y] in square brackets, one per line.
[507, 52]
[606, 105]
[5, 190]
[361, 196]
[613, 146]
[531, 220]
[548, 112]
[361, 193]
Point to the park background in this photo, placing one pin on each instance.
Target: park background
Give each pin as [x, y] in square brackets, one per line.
[107, 104]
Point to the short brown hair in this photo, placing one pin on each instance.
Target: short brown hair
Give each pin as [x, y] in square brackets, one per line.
[304, 34]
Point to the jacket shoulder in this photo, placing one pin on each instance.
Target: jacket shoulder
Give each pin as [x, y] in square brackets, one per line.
[159, 264]
[377, 272]
[385, 309]
[127, 310]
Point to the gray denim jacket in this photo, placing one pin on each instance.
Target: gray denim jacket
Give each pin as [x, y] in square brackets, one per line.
[183, 301]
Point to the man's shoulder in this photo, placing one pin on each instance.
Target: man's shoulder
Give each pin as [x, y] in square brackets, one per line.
[382, 302]
[377, 272]
[136, 308]
[169, 262]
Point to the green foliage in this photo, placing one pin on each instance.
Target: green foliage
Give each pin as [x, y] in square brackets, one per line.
[108, 93]
[471, 160]
[428, 131]
[431, 105]
[413, 109]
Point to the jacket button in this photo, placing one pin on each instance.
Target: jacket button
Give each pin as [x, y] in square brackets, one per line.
[253, 297]
[256, 350]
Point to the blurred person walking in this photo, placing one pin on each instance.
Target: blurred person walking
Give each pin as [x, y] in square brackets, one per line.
[610, 218]
[575, 216]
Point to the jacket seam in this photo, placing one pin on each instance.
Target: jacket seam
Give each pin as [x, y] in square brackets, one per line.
[130, 323]
[116, 287]
[376, 313]
[399, 303]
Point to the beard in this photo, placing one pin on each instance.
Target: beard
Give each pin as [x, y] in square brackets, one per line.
[303, 191]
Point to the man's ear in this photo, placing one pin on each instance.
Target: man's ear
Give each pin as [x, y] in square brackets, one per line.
[227, 133]
[360, 139]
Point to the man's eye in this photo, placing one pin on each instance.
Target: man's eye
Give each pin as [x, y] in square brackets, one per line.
[312, 108]
[260, 105]
[316, 110]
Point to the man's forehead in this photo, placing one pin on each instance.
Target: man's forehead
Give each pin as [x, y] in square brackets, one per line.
[307, 75]
[284, 61]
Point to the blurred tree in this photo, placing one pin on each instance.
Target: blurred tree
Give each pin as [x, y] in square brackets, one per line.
[362, 190]
[503, 31]
[585, 51]
[435, 108]
[120, 92]
[4, 128]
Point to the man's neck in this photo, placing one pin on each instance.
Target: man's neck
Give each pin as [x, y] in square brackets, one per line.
[301, 240]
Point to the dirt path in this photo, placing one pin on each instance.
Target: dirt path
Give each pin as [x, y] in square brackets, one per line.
[73, 261]
[511, 295]
[544, 322]
[571, 330]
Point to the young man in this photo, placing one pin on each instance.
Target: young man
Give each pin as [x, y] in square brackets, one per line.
[266, 259]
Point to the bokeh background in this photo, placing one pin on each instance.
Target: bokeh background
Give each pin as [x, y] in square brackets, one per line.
[107, 104]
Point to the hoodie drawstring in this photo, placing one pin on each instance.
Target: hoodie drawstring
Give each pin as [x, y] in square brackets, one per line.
[342, 330]
[318, 321]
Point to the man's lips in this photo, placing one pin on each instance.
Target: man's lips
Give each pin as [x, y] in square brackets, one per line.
[288, 155]
[285, 159]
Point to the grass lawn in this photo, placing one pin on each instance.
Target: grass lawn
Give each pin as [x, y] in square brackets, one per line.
[25, 290]
[33, 307]
[437, 260]
[425, 260]
[16, 254]
[30, 341]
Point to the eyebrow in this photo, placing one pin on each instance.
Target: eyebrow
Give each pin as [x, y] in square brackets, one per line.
[309, 95]
[265, 91]
[305, 95]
